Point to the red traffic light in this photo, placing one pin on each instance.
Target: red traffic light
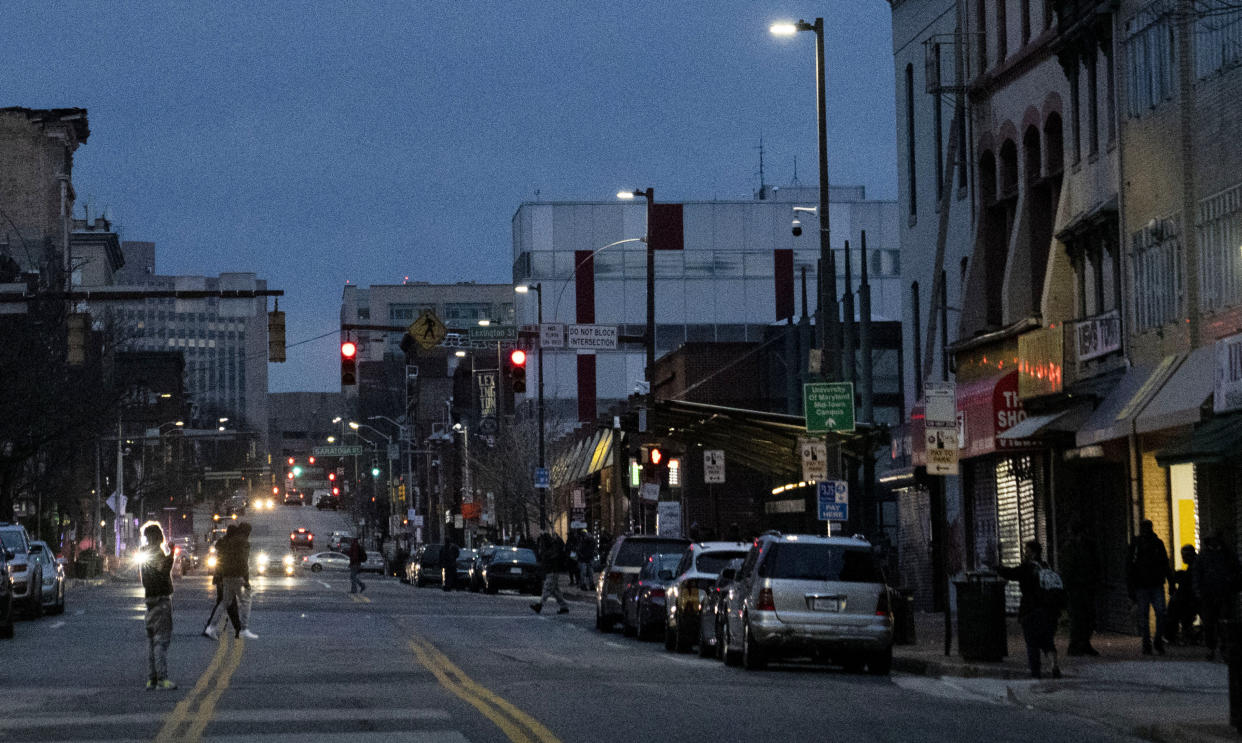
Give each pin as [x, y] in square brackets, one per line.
[349, 350]
[331, 475]
[517, 357]
[311, 460]
[656, 456]
[290, 461]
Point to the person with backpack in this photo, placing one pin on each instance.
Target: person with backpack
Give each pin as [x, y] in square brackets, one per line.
[357, 556]
[1043, 598]
[1147, 569]
[551, 553]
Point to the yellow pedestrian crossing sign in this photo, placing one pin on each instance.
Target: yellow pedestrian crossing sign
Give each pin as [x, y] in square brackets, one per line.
[427, 330]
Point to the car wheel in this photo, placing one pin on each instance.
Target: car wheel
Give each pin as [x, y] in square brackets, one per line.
[729, 652]
[706, 649]
[489, 587]
[60, 600]
[684, 641]
[670, 637]
[627, 629]
[853, 663]
[753, 658]
[6, 628]
[316, 568]
[881, 663]
[36, 603]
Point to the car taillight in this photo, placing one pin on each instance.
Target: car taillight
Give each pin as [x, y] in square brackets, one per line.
[657, 593]
[765, 602]
[881, 605]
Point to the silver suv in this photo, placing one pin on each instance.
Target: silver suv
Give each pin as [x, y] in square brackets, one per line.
[799, 595]
[26, 574]
[6, 595]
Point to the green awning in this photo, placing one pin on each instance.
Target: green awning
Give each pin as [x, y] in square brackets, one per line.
[1217, 440]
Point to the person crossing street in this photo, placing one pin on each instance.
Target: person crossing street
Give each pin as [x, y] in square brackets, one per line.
[551, 553]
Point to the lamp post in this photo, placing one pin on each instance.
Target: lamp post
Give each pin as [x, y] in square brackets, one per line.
[543, 492]
[649, 195]
[829, 314]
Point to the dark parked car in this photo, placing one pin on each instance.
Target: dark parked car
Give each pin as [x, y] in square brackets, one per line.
[642, 601]
[621, 566]
[465, 558]
[712, 608]
[511, 567]
[474, 579]
[424, 565]
[301, 538]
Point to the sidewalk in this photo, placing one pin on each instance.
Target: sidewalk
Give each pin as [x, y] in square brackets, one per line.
[1176, 697]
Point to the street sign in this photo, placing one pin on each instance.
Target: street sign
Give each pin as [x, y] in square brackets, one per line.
[552, 335]
[814, 459]
[492, 333]
[394, 451]
[834, 500]
[942, 452]
[599, 337]
[828, 406]
[336, 451]
[650, 491]
[713, 466]
[427, 330]
[668, 518]
[541, 478]
[939, 405]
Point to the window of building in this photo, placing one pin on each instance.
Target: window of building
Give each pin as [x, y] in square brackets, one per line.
[938, 126]
[1157, 274]
[1075, 115]
[1218, 37]
[1026, 21]
[911, 178]
[364, 313]
[981, 36]
[1219, 233]
[1093, 105]
[1002, 31]
[1150, 53]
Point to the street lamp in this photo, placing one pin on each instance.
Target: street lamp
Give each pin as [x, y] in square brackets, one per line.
[829, 315]
[543, 491]
[648, 194]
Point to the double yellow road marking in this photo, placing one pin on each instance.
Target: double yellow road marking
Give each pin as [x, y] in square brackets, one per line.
[184, 725]
[518, 726]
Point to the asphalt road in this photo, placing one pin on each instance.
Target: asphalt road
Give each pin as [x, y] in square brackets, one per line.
[397, 663]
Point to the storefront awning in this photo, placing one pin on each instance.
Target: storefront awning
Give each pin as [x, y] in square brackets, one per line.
[1217, 440]
[585, 458]
[1115, 416]
[987, 408]
[1047, 424]
[1178, 402]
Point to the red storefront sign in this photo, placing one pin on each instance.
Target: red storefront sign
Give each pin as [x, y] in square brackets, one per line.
[987, 408]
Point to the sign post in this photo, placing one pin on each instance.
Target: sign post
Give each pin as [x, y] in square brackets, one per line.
[828, 406]
[834, 502]
[713, 466]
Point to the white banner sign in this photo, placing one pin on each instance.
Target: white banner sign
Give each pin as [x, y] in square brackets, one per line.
[597, 337]
[1097, 336]
[668, 518]
[552, 335]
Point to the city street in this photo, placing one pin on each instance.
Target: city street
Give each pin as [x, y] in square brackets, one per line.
[401, 663]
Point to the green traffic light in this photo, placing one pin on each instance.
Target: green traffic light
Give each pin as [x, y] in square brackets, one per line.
[375, 472]
[297, 471]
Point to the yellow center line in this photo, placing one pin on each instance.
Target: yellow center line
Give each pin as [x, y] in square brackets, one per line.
[177, 717]
[518, 726]
[208, 706]
[358, 598]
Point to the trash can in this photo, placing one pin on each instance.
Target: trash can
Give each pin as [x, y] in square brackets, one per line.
[1231, 634]
[981, 634]
[903, 617]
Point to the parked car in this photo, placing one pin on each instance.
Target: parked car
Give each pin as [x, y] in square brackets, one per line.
[474, 579]
[424, 565]
[301, 538]
[624, 560]
[694, 575]
[510, 567]
[6, 594]
[465, 558]
[320, 561]
[799, 595]
[374, 563]
[712, 608]
[26, 574]
[53, 572]
[642, 601]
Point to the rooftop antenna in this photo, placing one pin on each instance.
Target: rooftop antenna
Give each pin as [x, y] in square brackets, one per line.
[794, 181]
[763, 187]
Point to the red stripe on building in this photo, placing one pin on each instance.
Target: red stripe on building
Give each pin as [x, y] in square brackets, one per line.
[584, 288]
[667, 231]
[783, 272]
[586, 388]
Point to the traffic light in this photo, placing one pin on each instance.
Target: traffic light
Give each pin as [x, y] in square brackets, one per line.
[276, 336]
[349, 363]
[375, 468]
[517, 369]
[331, 477]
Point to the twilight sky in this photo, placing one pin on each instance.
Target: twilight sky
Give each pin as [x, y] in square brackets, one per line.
[316, 143]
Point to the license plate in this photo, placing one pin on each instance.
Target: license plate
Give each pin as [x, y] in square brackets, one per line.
[827, 604]
[515, 571]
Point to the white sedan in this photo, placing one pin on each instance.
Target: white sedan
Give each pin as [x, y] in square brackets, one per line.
[320, 561]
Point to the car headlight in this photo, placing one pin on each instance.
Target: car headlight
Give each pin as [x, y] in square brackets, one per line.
[288, 560]
[211, 561]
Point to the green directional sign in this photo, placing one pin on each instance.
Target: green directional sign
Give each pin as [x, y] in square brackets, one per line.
[828, 406]
[492, 333]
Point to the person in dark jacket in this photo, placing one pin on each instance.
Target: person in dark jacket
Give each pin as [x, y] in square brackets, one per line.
[1147, 569]
[1216, 576]
[357, 556]
[586, 558]
[551, 553]
[230, 609]
[233, 565]
[1037, 617]
[448, 564]
[157, 587]
[1179, 617]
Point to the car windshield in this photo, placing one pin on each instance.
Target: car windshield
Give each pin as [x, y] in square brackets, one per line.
[661, 562]
[12, 539]
[634, 552]
[514, 554]
[822, 562]
[713, 562]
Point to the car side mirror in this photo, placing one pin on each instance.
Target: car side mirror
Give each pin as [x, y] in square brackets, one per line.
[9, 554]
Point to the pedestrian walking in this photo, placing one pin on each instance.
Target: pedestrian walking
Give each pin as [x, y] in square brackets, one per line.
[231, 608]
[586, 558]
[1039, 609]
[357, 556]
[233, 564]
[1216, 578]
[1147, 569]
[1080, 568]
[551, 553]
[448, 564]
[1183, 609]
[157, 588]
